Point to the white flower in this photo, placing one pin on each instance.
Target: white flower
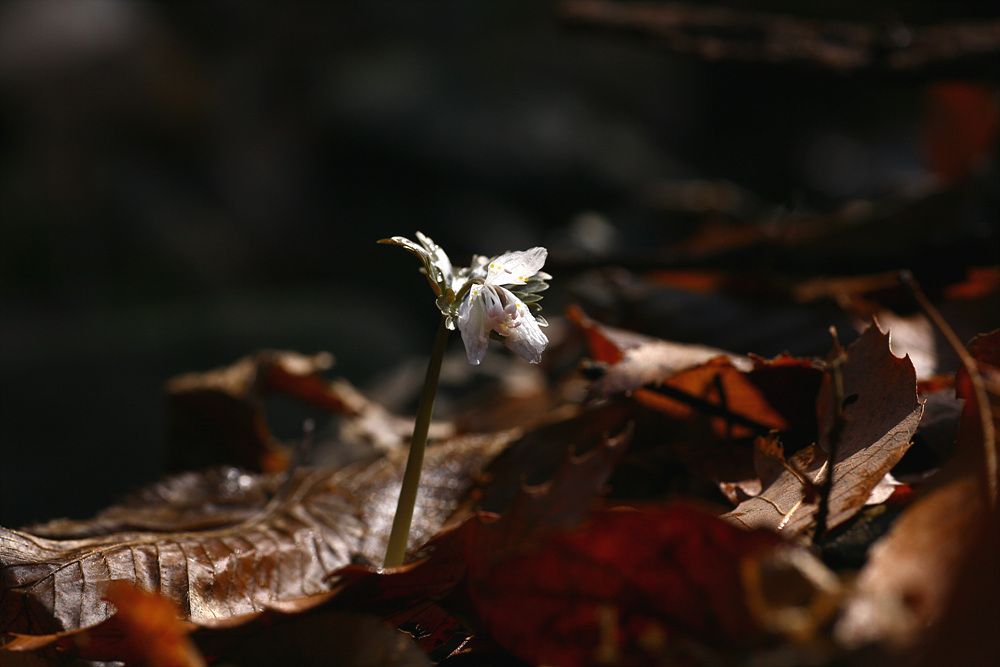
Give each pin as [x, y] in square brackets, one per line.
[490, 307]
[475, 298]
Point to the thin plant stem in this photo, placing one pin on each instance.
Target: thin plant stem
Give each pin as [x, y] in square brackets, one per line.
[400, 534]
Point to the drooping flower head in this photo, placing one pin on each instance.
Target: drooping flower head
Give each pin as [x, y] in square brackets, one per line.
[491, 298]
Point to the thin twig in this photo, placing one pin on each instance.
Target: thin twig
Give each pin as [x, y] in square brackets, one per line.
[978, 386]
[833, 442]
[708, 407]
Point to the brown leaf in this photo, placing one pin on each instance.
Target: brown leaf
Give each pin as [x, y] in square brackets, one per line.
[188, 501]
[966, 631]
[219, 564]
[154, 633]
[607, 344]
[623, 587]
[540, 454]
[905, 583]
[638, 360]
[145, 631]
[218, 416]
[881, 415]
[960, 127]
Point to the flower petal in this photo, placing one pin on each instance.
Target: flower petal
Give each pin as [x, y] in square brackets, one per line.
[473, 325]
[514, 268]
[527, 340]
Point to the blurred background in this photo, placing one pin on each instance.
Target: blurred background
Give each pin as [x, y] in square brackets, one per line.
[183, 183]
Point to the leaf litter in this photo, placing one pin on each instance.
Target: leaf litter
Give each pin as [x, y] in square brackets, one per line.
[620, 550]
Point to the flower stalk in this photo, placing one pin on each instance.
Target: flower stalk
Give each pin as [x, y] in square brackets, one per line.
[399, 536]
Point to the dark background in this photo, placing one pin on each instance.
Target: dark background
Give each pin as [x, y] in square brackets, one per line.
[184, 183]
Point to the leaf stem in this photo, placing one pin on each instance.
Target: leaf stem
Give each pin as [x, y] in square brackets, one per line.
[399, 536]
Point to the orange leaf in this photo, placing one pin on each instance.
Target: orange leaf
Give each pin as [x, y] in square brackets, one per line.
[154, 634]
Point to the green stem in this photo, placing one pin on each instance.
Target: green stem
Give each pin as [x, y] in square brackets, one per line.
[400, 534]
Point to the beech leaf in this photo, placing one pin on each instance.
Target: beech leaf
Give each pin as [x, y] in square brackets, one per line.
[279, 542]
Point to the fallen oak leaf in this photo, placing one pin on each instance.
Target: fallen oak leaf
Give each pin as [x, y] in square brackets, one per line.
[883, 414]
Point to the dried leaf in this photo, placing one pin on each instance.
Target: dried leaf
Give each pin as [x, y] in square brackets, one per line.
[218, 416]
[716, 388]
[966, 631]
[188, 501]
[905, 583]
[960, 127]
[745, 396]
[222, 565]
[154, 633]
[881, 416]
[621, 589]
[145, 630]
[638, 360]
[300, 632]
[540, 454]
[562, 501]
[914, 570]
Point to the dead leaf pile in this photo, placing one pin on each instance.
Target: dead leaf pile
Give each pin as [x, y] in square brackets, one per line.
[686, 508]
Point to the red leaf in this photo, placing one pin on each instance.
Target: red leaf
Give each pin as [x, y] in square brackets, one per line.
[621, 588]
